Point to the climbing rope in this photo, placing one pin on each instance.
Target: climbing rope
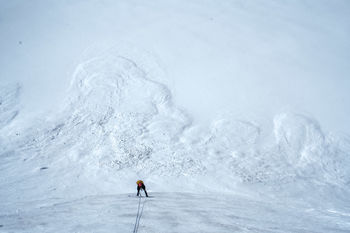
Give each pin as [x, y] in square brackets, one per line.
[139, 215]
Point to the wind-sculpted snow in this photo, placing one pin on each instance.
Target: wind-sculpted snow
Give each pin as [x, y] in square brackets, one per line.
[125, 119]
[118, 123]
[313, 154]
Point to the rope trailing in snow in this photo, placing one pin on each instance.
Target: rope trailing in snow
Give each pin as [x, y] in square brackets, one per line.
[139, 214]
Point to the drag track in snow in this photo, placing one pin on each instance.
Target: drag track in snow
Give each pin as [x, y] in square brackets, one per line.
[171, 212]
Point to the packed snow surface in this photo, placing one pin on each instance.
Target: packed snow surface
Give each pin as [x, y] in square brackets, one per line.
[74, 168]
[173, 212]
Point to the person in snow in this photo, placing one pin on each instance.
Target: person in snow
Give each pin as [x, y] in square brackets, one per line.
[141, 185]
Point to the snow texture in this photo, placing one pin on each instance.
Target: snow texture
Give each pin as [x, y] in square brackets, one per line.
[173, 212]
[118, 124]
[73, 168]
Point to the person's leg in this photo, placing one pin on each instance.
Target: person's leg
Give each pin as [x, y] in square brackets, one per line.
[144, 189]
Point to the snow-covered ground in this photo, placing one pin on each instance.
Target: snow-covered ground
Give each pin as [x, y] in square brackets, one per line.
[80, 122]
[117, 126]
[172, 212]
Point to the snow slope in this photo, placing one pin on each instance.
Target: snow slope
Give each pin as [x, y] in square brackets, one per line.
[120, 122]
[127, 122]
[118, 125]
[253, 59]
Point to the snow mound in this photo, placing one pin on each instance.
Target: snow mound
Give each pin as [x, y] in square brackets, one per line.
[131, 117]
[119, 123]
[304, 146]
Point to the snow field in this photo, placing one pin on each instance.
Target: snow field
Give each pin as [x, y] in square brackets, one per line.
[265, 165]
[129, 126]
[171, 212]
